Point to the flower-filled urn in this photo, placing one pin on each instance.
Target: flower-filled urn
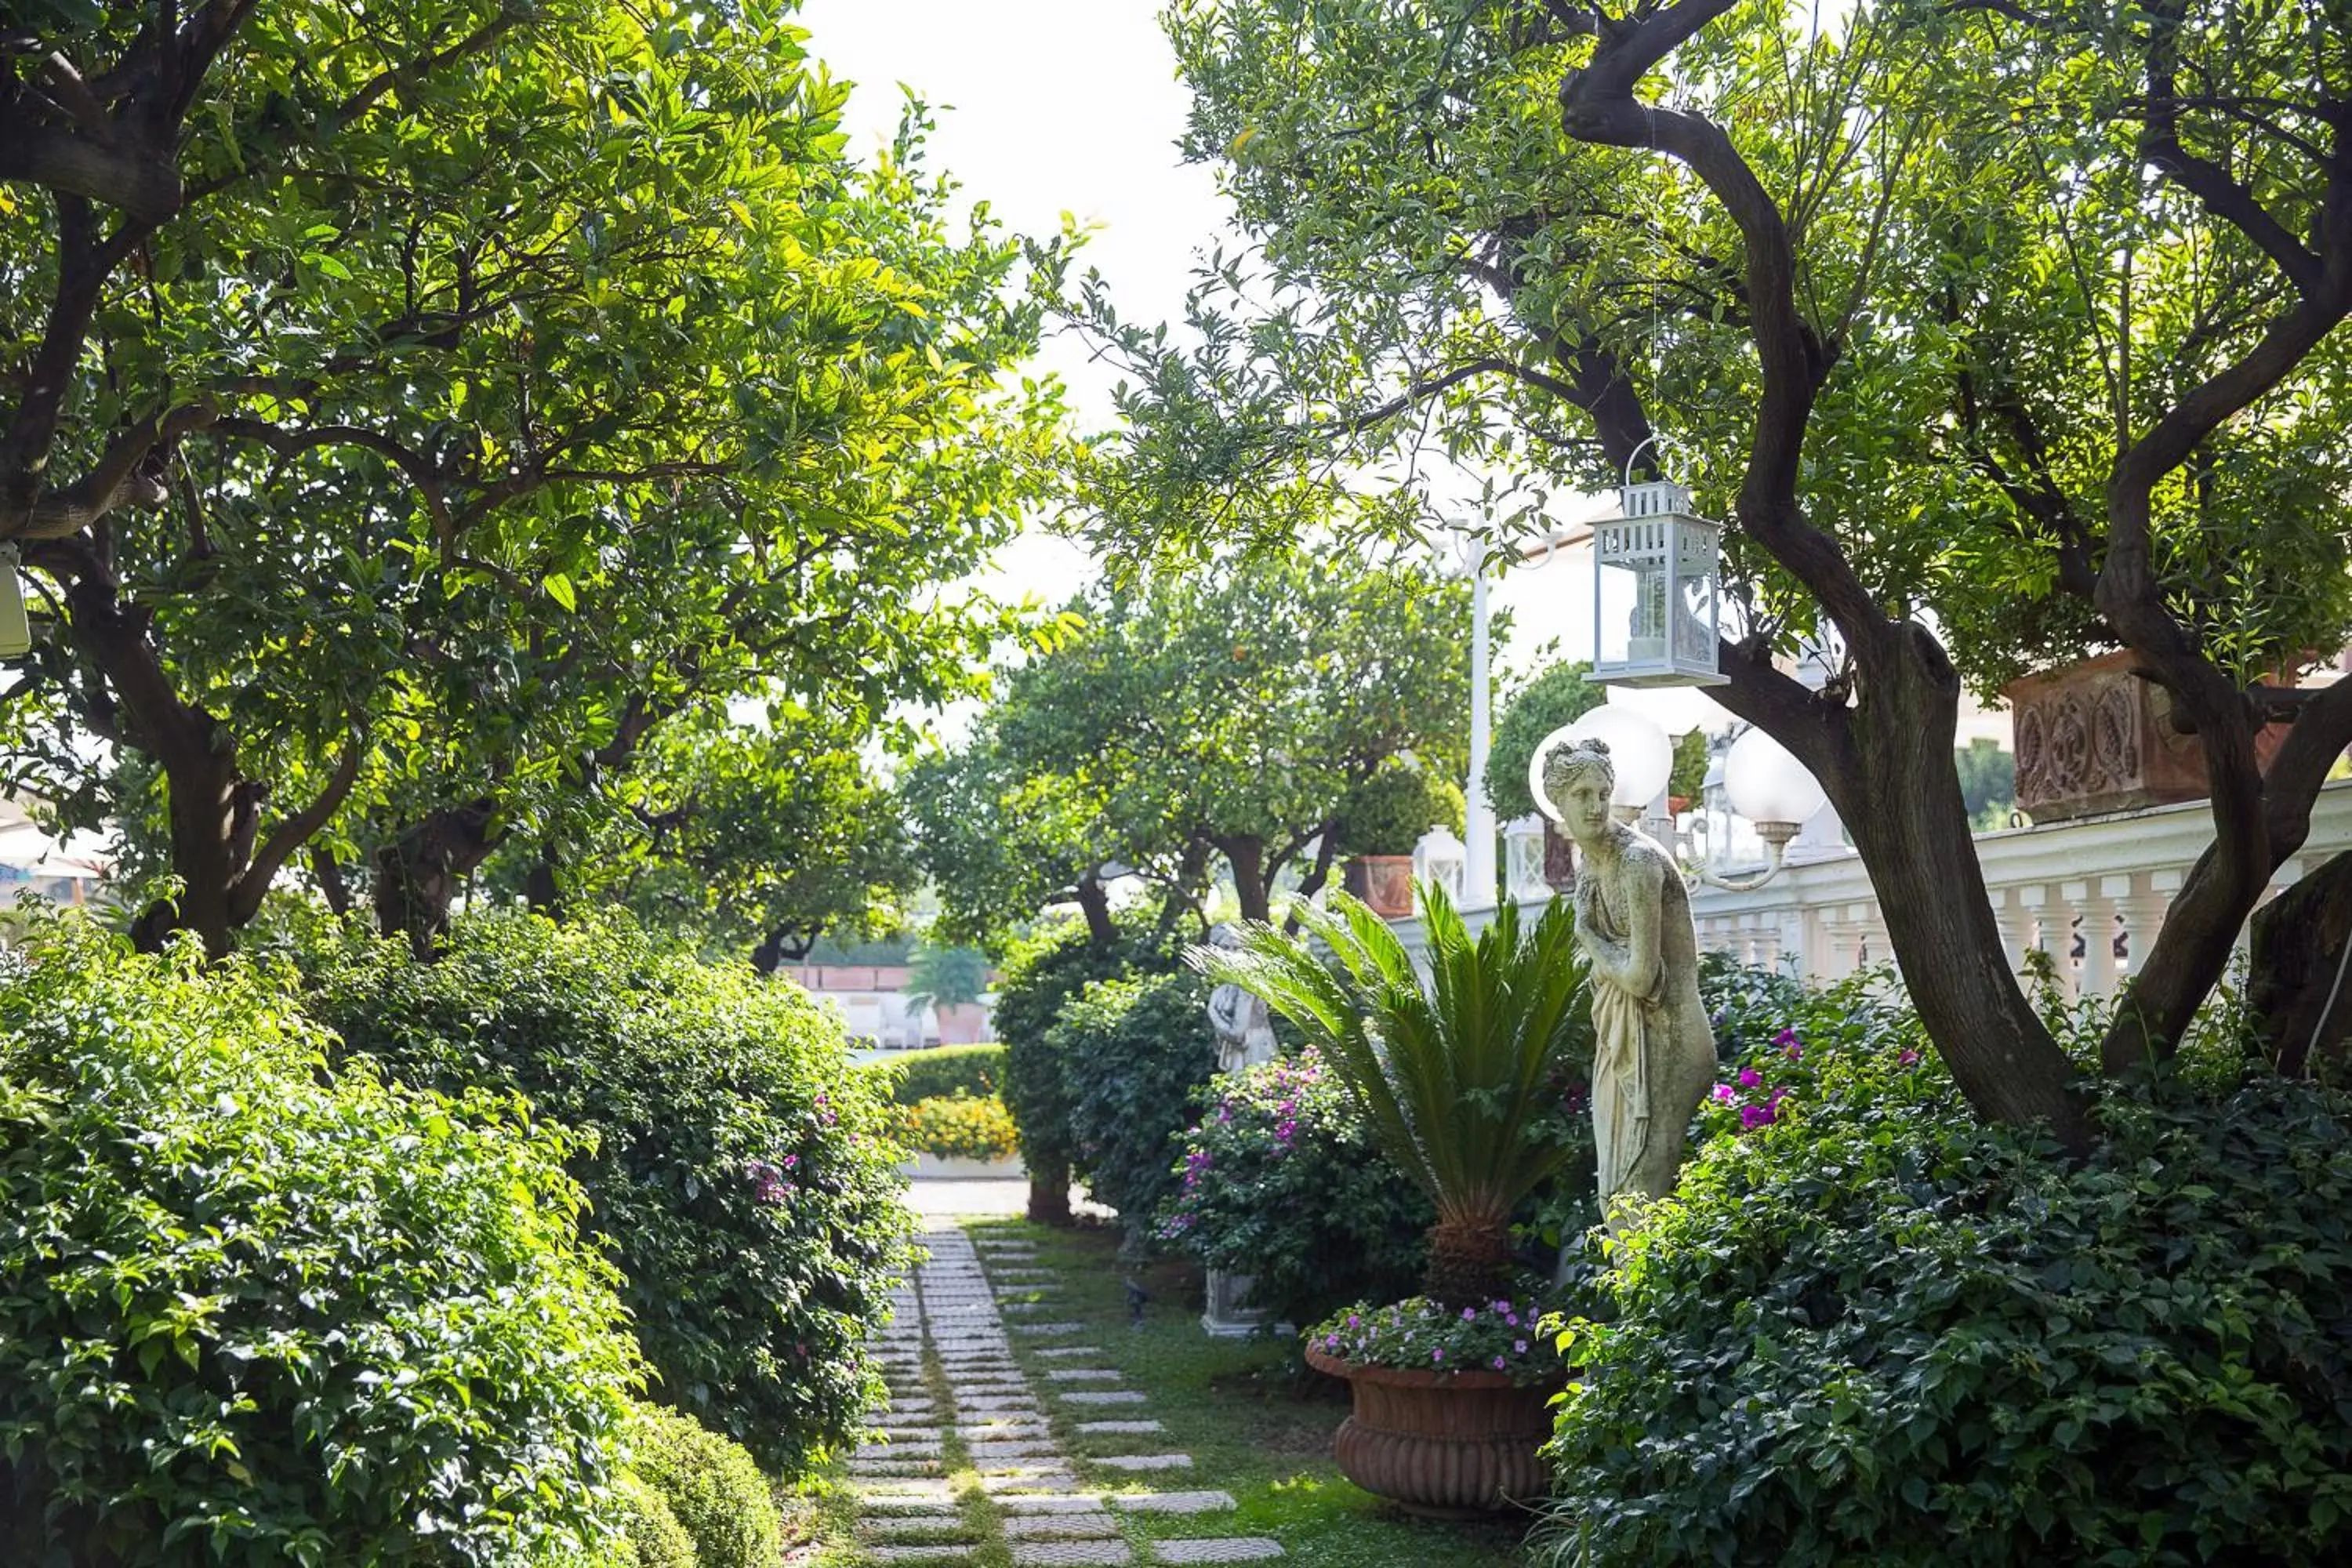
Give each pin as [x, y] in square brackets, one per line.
[1655, 600]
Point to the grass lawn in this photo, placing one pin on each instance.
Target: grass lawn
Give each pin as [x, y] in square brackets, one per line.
[1253, 1427]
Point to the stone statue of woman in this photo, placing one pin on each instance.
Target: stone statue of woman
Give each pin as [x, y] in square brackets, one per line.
[1653, 1055]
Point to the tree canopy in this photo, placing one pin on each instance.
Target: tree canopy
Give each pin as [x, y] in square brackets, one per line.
[1228, 711]
[413, 405]
[2024, 317]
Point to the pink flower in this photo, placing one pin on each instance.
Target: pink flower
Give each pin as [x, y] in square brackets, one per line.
[1908, 1058]
[1726, 1093]
[1751, 1116]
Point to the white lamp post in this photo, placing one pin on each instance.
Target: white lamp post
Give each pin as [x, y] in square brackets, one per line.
[1478, 812]
[15, 627]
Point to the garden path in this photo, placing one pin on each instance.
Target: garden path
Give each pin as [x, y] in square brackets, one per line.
[963, 1469]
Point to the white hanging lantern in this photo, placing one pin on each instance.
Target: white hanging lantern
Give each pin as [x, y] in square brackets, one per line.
[1655, 606]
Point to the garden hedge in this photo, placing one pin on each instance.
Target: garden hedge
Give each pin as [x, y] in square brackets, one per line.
[740, 1175]
[943, 1072]
[252, 1311]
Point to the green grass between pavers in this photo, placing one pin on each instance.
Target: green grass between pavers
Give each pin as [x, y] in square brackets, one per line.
[1252, 1428]
[834, 1539]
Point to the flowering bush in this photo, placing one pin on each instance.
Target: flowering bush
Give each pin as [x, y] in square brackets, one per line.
[1870, 1329]
[958, 1127]
[742, 1177]
[1785, 1047]
[1418, 1334]
[1279, 1180]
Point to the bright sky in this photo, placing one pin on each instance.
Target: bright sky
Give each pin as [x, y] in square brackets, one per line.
[1052, 106]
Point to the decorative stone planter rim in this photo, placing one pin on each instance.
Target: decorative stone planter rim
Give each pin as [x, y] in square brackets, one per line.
[1412, 1377]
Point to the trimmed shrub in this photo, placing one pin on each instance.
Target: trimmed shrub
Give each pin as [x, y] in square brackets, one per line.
[742, 1175]
[651, 1532]
[1134, 1052]
[1387, 813]
[253, 1312]
[711, 1488]
[1040, 978]
[944, 1071]
[1279, 1180]
[958, 1127]
[1868, 1329]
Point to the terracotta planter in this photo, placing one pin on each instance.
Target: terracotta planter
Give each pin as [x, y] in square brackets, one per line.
[1559, 858]
[1383, 881]
[2095, 738]
[1445, 1445]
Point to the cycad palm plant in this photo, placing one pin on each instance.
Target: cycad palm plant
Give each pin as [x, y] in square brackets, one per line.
[1455, 1078]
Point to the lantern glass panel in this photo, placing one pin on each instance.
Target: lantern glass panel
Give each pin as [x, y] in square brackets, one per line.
[1633, 596]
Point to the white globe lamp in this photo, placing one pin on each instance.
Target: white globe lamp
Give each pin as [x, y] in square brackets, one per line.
[1638, 750]
[1769, 786]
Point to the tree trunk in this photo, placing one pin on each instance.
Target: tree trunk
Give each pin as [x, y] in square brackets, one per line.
[333, 883]
[1049, 1195]
[540, 888]
[1184, 894]
[417, 874]
[1096, 905]
[1326, 851]
[2295, 970]
[1471, 1259]
[1246, 856]
[1905, 810]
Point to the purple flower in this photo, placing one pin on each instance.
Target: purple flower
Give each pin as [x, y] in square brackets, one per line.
[1469, 1314]
[1520, 1346]
[1750, 1078]
[1751, 1116]
[1796, 1053]
[1498, 1364]
[1726, 1093]
[1354, 1322]
[1908, 1058]
[792, 1161]
[1785, 1038]
[1330, 1342]
[1512, 1319]
[1437, 1355]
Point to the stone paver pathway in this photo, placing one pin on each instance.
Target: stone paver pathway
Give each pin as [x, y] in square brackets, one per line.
[960, 1403]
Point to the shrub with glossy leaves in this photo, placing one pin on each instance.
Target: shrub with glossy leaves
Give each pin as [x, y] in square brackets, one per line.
[1871, 1330]
[1134, 1052]
[711, 1487]
[1040, 978]
[252, 1312]
[1279, 1180]
[742, 1175]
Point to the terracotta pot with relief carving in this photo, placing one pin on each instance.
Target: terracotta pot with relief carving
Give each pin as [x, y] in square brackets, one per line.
[2095, 738]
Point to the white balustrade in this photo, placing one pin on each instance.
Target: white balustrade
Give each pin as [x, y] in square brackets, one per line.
[2096, 885]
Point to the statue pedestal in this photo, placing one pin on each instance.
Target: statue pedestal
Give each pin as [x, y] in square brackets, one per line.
[1227, 1317]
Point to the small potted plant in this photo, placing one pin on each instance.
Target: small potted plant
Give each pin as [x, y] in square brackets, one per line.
[1380, 822]
[1451, 1387]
